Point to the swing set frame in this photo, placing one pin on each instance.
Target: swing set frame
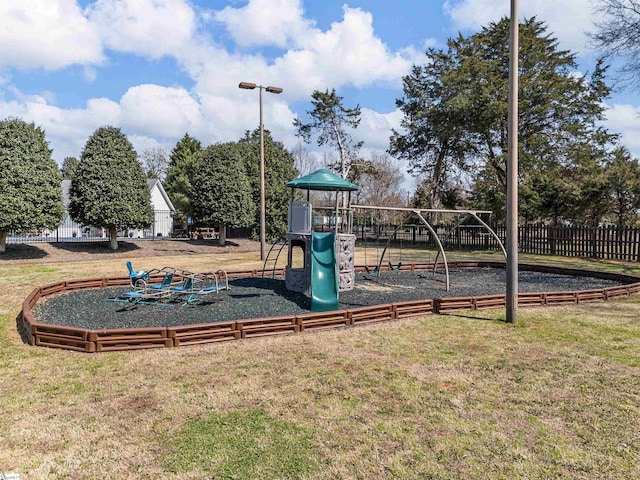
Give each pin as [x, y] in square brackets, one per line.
[419, 213]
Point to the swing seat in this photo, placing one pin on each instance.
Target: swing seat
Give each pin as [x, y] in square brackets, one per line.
[373, 273]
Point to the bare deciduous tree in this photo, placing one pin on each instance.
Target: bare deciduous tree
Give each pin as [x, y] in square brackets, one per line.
[305, 161]
[155, 162]
[618, 34]
[381, 185]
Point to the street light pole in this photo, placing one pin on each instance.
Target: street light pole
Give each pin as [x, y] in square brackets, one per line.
[263, 234]
[512, 171]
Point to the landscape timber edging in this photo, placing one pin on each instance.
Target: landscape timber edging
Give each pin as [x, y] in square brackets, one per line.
[109, 340]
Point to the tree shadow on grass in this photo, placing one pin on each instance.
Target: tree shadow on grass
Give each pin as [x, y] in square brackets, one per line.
[98, 248]
[22, 252]
[190, 247]
[211, 243]
[495, 316]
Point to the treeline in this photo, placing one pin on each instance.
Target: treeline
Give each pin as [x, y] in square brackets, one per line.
[215, 186]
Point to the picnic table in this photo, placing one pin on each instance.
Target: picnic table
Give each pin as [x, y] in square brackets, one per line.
[204, 233]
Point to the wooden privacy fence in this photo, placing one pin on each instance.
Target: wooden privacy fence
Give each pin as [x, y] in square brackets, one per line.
[611, 243]
[606, 242]
[84, 340]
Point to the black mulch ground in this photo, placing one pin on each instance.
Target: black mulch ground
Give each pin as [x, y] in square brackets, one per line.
[257, 297]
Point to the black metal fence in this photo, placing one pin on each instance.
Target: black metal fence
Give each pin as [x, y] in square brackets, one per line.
[70, 231]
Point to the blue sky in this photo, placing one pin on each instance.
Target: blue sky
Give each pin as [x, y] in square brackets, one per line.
[160, 68]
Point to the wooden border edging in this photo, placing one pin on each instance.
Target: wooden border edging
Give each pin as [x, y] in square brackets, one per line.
[90, 341]
[412, 308]
[323, 320]
[203, 333]
[260, 327]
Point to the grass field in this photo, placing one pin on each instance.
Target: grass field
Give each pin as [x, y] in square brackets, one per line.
[452, 396]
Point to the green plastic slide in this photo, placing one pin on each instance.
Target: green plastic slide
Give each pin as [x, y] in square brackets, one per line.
[324, 282]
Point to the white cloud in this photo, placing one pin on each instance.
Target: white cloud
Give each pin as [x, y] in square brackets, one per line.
[265, 22]
[159, 111]
[568, 20]
[348, 53]
[47, 34]
[227, 119]
[625, 119]
[148, 112]
[473, 14]
[146, 27]
[89, 74]
[375, 128]
[67, 130]
[142, 143]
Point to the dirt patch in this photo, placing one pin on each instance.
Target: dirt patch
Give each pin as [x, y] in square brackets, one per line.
[81, 251]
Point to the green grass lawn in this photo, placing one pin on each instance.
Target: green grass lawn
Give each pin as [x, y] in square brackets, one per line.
[452, 396]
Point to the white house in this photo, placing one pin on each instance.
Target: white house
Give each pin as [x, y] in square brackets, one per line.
[162, 225]
[162, 210]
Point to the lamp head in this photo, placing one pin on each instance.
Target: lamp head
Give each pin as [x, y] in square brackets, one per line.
[247, 85]
[273, 89]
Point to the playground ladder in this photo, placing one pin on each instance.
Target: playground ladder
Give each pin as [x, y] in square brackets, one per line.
[272, 257]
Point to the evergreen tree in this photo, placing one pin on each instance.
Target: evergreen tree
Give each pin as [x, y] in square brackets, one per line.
[588, 177]
[30, 189]
[623, 175]
[221, 189]
[435, 140]
[110, 189]
[279, 169]
[177, 183]
[455, 109]
[69, 167]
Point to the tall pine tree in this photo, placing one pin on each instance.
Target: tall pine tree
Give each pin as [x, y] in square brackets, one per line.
[177, 183]
[455, 113]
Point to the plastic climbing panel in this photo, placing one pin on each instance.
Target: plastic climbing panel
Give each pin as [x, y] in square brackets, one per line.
[345, 253]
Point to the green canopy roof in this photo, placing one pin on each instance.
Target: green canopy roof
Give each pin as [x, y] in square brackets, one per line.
[322, 179]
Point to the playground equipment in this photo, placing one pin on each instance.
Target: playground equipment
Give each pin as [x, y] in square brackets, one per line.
[324, 292]
[380, 257]
[321, 263]
[198, 285]
[324, 271]
[135, 275]
[176, 284]
[271, 261]
[418, 212]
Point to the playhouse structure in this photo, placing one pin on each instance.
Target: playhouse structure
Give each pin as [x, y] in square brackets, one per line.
[321, 263]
